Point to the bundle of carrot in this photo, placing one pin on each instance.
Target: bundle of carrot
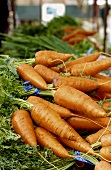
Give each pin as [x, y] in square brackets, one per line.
[72, 106]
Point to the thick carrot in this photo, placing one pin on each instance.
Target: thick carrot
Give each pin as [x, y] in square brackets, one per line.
[63, 112]
[91, 68]
[82, 146]
[47, 139]
[27, 73]
[79, 123]
[83, 59]
[105, 152]
[76, 82]
[95, 137]
[45, 72]
[106, 140]
[102, 165]
[51, 58]
[49, 119]
[76, 100]
[22, 125]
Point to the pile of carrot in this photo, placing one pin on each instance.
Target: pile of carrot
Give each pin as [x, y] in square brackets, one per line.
[78, 104]
[74, 35]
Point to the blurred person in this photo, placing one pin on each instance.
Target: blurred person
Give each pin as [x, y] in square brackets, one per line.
[4, 13]
[109, 25]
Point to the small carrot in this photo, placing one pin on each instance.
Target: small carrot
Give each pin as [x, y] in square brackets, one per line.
[22, 125]
[82, 146]
[95, 137]
[49, 119]
[27, 73]
[102, 165]
[79, 123]
[76, 82]
[76, 100]
[91, 68]
[83, 59]
[47, 139]
[51, 58]
[46, 73]
[105, 152]
[63, 112]
[103, 95]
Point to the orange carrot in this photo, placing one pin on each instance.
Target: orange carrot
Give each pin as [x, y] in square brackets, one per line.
[84, 59]
[63, 112]
[46, 139]
[79, 123]
[103, 95]
[45, 72]
[51, 58]
[91, 68]
[56, 69]
[82, 146]
[82, 84]
[102, 165]
[95, 137]
[104, 85]
[106, 140]
[106, 106]
[76, 100]
[27, 73]
[49, 119]
[105, 152]
[100, 76]
[22, 125]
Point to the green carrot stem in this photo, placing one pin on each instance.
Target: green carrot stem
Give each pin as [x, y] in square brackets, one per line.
[96, 145]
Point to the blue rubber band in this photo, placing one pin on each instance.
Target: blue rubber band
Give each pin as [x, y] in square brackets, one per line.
[27, 88]
[7, 59]
[78, 158]
[37, 91]
[89, 50]
[26, 83]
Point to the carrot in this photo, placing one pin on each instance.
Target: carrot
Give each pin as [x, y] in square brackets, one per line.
[100, 76]
[104, 85]
[105, 152]
[56, 69]
[76, 100]
[46, 73]
[79, 123]
[91, 68]
[102, 165]
[46, 139]
[76, 39]
[106, 140]
[81, 146]
[22, 125]
[27, 73]
[76, 82]
[106, 106]
[69, 29]
[49, 119]
[95, 137]
[103, 95]
[84, 59]
[63, 112]
[51, 58]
